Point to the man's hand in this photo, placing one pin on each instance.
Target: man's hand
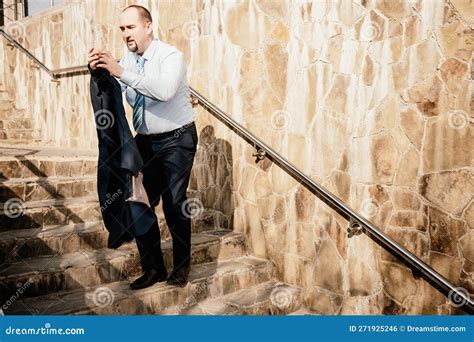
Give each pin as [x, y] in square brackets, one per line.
[107, 62]
[93, 58]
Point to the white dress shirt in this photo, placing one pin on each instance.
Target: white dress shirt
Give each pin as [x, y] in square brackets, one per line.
[164, 85]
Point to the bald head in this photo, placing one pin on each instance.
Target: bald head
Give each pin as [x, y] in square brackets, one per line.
[136, 27]
[144, 14]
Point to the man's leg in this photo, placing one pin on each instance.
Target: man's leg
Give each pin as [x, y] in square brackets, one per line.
[149, 244]
[176, 164]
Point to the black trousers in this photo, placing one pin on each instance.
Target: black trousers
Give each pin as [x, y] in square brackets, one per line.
[168, 159]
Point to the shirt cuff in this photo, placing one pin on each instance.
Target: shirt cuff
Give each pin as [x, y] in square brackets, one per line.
[128, 77]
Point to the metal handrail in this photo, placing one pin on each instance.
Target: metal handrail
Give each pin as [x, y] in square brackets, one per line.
[357, 223]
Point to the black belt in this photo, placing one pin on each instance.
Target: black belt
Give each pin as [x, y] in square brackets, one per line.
[169, 133]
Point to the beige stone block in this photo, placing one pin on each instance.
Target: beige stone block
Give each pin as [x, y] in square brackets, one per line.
[338, 94]
[409, 219]
[387, 51]
[369, 70]
[328, 269]
[454, 41]
[415, 242]
[405, 199]
[445, 232]
[454, 74]
[413, 125]
[280, 212]
[274, 8]
[450, 190]
[358, 305]
[280, 33]
[251, 70]
[466, 243]
[327, 145]
[447, 266]
[256, 238]
[364, 278]
[304, 204]
[276, 63]
[394, 9]
[281, 181]
[384, 158]
[469, 214]
[444, 144]
[342, 182]
[398, 281]
[323, 301]
[407, 170]
[414, 30]
[241, 22]
[263, 188]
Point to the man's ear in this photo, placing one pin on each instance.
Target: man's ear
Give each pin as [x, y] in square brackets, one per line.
[149, 27]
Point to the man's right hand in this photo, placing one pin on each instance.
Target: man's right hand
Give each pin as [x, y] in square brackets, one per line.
[93, 58]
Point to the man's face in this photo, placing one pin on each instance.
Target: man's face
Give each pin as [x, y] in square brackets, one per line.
[135, 30]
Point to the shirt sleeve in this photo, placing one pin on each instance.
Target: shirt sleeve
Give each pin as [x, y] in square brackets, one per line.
[162, 82]
[123, 86]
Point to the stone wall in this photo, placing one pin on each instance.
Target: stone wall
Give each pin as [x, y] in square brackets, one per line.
[373, 99]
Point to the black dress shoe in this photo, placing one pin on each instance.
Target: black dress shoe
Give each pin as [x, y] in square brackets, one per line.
[179, 277]
[149, 278]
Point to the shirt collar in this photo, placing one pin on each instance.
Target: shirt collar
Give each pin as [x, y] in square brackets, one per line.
[150, 50]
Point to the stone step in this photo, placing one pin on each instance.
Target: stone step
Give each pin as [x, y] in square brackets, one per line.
[15, 214]
[207, 280]
[18, 123]
[19, 134]
[6, 104]
[269, 298]
[24, 142]
[28, 243]
[42, 214]
[37, 189]
[25, 162]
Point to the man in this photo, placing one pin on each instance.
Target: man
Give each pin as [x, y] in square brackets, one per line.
[154, 76]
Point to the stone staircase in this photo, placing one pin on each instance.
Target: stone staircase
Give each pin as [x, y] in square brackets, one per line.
[15, 125]
[53, 255]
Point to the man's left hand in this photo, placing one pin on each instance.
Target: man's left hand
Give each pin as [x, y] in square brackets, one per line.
[107, 62]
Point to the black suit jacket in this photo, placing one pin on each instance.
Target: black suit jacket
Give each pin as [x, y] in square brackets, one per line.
[119, 162]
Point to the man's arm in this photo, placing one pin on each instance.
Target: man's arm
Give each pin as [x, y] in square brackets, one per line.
[160, 84]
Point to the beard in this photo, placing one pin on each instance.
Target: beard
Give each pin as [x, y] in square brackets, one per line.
[132, 46]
